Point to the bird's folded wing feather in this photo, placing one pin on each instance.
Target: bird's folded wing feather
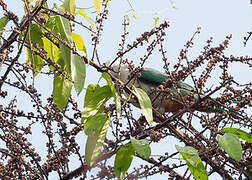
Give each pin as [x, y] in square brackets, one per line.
[156, 78]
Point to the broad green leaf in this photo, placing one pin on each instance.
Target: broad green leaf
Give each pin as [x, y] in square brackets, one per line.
[231, 145]
[3, 22]
[70, 6]
[34, 38]
[91, 21]
[50, 25]
[109, 81]
[141, 147]
[114, 93]
[95, 98]
[57, 57]
[34, 60]
[96, 128]
[239, 133]
[35, 35]
[61, 90]
[48, 47]
[123, 159]
[78, 69]
[79, 42]
[66, 56]
[94, 124]
[97, 6]
[63, 26]
[193, 161]
[145, 104]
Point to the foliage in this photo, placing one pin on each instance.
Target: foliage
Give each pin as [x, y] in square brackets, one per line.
[113, 130]
[193, 161]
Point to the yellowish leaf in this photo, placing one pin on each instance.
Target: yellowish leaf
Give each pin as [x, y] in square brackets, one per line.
[91, 21]
[156, 21]
[127, 17]
[78, 40]
[134, 16]
[72, 6]
[97, 6]
[173, 4]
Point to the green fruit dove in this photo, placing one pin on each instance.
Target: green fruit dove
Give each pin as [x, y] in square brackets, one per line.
[170, 98]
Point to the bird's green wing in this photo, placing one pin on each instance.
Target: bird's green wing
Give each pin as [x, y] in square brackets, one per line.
[152, 76]
[185, 86]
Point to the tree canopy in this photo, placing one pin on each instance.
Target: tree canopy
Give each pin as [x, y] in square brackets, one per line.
[118, 125]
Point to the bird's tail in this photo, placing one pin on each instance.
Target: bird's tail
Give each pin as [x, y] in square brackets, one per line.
[211, 106]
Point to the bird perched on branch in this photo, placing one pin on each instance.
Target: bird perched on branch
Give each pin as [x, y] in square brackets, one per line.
[165, 95]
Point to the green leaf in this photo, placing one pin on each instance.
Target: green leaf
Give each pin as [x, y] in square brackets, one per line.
[118, 105]
[94, 124]
[48, 47]
[61, 90]
[34, 37]
[239, 133]
[79, 42]
[57, 56]
[97, 6]
[34, 60]
[50, 25]
[91, 21]
[52, 50]
[231, 144]
[145, 104]
[63, 26]
[194, 158]
[95, 98]
[123, 159]
[141, 147]
[109, 81]
[66, 55]
[193, 161]
[3, 22]
[114, 93]
[78, 69]
[96, 128]
[70, 6]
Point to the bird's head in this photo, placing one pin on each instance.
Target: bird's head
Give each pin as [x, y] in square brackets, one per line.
[118, 70]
